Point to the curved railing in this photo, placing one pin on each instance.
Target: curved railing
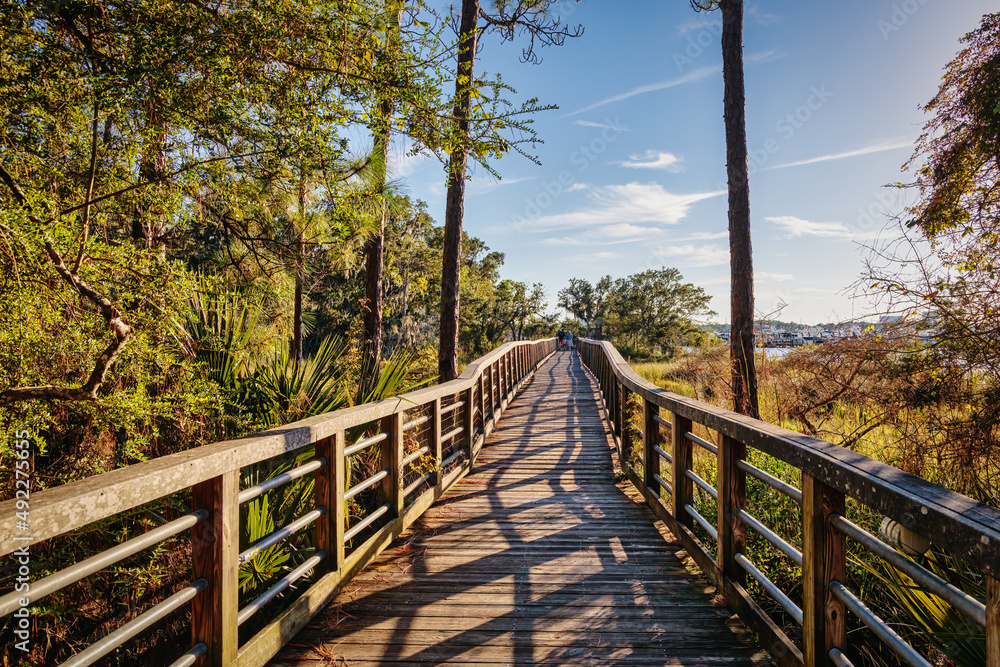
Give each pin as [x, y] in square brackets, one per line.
[830, 475]
[423, 442]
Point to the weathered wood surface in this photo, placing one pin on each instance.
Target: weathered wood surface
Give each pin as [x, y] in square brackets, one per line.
[537, 557]
[970, 528]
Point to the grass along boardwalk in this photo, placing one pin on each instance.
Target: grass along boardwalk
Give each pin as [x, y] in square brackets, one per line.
[536, 558]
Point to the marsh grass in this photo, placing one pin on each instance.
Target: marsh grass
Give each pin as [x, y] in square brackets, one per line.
[876, 402]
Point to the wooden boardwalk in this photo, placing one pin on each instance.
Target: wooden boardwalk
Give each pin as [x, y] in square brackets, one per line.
[536, 558]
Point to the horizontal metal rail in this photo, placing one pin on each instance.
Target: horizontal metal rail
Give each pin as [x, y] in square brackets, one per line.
[410, 458]
[954, 596]
[793, 609]
[664, 454]
[415, 484]
[703, 522]
[140, 623]
[660, 420]
[366, 484]
[904, 651]
[364, 444]
[191, 657]
[74, 573]
[701, 442]
[452, 407]
[451, 434]
[281, 534]
[663, 484]
[415, 423]
[771, 481]
[367, 521]
[252, 492]
[248, 611]
[451, 459]
[779, 543]
[839, 659]
[708, 488]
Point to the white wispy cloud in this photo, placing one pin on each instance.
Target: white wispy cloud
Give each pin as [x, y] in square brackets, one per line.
[694, 75]
[773, 277]
[793, 227]
[625, 232]
[711, 22]
[479, 185]
[602, 126]
[765, 56]
[879, 147]
[760, 17]
[653, 160]
[577, 186]
[595, 256]
[631, 203]
[695, 255]
[403, 162]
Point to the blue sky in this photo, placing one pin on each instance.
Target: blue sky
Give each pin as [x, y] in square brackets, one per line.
[633, 164]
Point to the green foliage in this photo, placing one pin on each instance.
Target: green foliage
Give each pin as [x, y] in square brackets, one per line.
[952, 633]
[650, 311]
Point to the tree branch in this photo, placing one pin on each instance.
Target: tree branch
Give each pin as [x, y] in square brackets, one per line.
[111, 313]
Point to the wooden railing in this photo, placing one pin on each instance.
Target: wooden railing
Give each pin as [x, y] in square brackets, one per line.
[830, 476]
[425, 442]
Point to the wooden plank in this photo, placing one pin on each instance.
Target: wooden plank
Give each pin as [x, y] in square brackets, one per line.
[435, 437]
[682, 450]
[215, 551]
[538, 538]
[324, 482]
[468, 424]
[732, 496]
[969, 528]
[992, 622]
[392, 460]
[823, 561]
[77, 504]
[339, 511]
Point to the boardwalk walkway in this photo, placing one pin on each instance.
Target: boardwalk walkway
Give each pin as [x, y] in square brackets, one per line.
[536, 558]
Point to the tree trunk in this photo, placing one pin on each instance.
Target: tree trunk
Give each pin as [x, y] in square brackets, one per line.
[297, 317]
[744, 376]
[375, 248]
[147, 225]
[454, 210]
[299, 274]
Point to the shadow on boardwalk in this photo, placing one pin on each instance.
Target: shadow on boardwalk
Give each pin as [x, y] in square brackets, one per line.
[536, 558]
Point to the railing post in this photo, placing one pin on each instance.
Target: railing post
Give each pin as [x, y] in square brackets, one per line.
[392, 460]
[617, 410]
[468, 426]
[992, 621]
[509, 371]
[650, 439]
[329, 485]
[823, 561]
[215, 556]
[435, 437]
[493, 398]
[683, 453]
[481, 405]
[501, 382]
[732, 496]
[623, 435]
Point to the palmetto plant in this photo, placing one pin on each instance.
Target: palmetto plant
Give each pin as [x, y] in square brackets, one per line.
[218, 331]
[952, 633]
[296, 389]
[269, 388]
